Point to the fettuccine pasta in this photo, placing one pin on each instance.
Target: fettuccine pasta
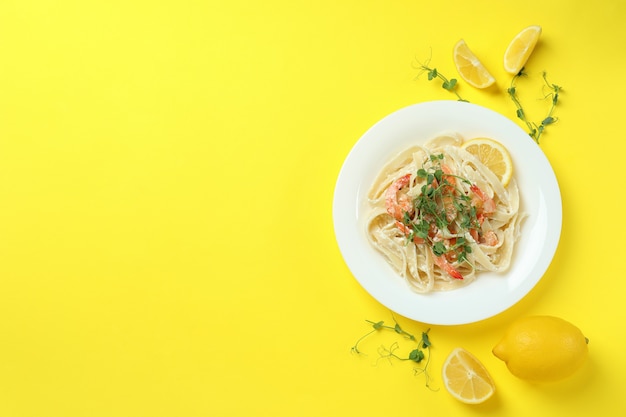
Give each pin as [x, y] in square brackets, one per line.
[439, 216]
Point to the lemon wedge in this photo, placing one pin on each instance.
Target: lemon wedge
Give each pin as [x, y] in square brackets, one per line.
[520, 48]
[466, 378]
[470, 68]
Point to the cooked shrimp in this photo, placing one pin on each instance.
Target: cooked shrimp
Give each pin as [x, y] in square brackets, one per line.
[407, 231]
[398, 203]
[443, 263]
[489, 238]
[485, 207]
[482, 201]
[449, 177]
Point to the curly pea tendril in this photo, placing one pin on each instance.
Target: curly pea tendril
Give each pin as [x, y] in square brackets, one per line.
[535, 130]
[416, 355]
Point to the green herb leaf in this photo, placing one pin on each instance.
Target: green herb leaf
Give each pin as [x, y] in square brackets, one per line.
[416, 355]
[439, 248]
[535, 131]
[421, 229]
[438, 175]
[420, 352]
[449, 85]
[425, 340]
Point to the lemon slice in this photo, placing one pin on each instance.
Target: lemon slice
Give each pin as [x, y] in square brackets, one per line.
[520, 48]
[470, 68]
[466, 378]
[493, 155]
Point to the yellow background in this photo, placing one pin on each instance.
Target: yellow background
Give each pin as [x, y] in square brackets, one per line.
[166, 179]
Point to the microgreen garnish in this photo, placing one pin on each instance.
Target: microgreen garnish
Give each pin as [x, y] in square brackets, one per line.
[438, 197]
[433, 74]
[416, 355]
[535, 130]
[379, 325]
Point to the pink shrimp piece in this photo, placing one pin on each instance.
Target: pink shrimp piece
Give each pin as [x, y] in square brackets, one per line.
[483, 201]
[475, 235]
[397, 204]
[443, 263]
[407, 231]
[486, 207]
[449, 176]
[489, 238]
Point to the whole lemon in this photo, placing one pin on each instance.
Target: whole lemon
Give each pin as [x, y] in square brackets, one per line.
[542, 348]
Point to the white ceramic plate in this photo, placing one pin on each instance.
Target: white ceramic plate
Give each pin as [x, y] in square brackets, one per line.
[491, 293]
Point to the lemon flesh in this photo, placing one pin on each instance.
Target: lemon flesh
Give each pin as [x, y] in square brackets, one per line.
[466, 378]
[493, 155]
[470, 68]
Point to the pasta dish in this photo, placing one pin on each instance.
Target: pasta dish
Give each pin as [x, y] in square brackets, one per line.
[439, 216]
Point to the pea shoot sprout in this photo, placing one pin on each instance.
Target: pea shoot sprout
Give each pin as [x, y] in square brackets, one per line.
[449, 84]
[418, 354]
[535, 130]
